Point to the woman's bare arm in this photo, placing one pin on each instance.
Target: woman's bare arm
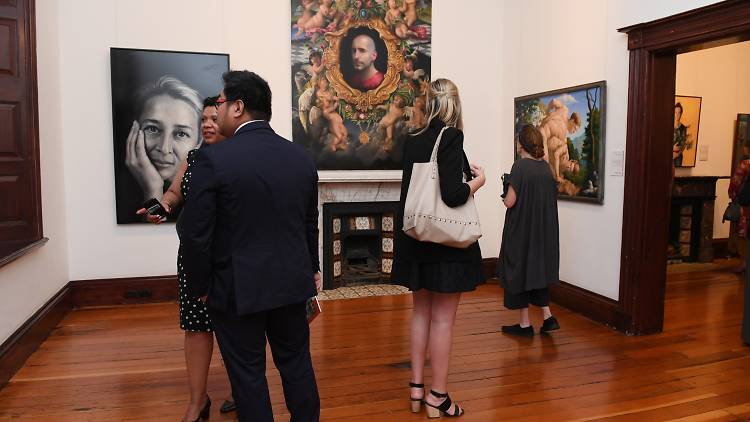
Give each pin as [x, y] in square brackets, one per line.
[172, 198]
[510, 198]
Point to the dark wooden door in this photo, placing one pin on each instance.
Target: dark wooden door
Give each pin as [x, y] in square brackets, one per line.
[20, 202]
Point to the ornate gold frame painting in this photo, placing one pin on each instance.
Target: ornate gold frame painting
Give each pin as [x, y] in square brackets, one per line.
[359, 73]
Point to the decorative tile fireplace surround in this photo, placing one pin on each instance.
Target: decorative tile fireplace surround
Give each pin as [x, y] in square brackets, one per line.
[357, 223]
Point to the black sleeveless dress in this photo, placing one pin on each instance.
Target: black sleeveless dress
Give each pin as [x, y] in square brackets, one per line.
[193, 312]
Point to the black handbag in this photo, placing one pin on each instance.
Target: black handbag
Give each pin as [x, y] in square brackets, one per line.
[732, 213]
[506, 182]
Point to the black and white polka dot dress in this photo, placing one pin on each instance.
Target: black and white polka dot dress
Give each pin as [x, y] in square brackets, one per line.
[193, 312]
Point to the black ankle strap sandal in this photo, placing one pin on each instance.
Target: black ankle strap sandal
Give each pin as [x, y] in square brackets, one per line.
[443, 408]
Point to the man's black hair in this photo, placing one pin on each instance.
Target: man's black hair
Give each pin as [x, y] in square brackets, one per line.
[251, 89]
[210, 101]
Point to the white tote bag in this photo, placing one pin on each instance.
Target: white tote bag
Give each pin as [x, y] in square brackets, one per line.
[428, 219]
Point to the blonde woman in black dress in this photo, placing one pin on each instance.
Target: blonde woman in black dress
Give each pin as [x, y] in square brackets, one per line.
[530, 252]
[437, 274]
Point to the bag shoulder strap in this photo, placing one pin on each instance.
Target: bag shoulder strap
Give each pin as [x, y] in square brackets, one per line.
[433, 156]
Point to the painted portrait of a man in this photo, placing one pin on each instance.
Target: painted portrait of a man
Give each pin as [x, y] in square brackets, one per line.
[364, 59]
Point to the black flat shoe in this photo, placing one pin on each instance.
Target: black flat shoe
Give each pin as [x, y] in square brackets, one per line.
[228, 406]
[550, 324]
[517, 330]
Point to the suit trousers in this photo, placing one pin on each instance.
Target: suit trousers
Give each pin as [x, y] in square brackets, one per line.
[242, 341]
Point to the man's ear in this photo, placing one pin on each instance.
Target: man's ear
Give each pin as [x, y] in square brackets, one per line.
[239, 108]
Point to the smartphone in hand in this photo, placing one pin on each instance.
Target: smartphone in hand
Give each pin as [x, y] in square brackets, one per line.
[154, 207]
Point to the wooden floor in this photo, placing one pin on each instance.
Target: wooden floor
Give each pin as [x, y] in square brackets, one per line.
[126, 363]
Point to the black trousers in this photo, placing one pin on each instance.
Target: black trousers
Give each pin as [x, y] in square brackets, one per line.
[537, 297]
[242, 341]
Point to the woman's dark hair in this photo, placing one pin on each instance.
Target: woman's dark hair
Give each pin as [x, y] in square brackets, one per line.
[210, 101]
[251, 89]
[531, 141]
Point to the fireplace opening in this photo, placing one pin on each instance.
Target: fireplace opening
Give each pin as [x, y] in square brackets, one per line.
[357, 243]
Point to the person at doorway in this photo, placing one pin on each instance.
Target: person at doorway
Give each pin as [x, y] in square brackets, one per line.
[738, 230]
[530, 251]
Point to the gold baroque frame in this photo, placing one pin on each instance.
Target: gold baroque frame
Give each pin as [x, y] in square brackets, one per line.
[363, 101]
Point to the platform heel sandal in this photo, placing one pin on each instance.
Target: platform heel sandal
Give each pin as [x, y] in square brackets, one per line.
[442, 409]
[416, 403]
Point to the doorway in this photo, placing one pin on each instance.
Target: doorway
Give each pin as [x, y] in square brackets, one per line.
[654, 47]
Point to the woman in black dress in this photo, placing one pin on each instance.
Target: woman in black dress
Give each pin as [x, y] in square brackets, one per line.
[530, 252]
[194, 319]
[437, 274]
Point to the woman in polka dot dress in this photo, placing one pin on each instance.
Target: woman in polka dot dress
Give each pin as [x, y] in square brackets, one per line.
[194, 319]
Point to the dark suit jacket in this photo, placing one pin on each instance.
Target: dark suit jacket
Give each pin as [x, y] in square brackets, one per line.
[249, 227]
[452, 164]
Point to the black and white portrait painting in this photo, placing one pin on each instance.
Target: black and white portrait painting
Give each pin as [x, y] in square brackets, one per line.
[157, 102]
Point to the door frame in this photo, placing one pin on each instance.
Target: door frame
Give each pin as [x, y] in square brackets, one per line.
[653, 50]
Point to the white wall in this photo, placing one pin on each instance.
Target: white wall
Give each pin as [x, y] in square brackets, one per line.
[719, 76]
[549, 45]
[27, 283]
[99, 248]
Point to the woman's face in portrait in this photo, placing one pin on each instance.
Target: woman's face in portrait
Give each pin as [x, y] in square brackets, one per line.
[170, 128]
[209, 127]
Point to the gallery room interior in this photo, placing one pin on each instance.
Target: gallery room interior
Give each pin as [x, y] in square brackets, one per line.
[652, 293]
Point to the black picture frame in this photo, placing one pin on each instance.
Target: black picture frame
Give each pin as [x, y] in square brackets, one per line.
[132, 71]
[587, 183]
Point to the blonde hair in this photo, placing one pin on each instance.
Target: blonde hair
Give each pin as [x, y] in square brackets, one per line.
[443, 103]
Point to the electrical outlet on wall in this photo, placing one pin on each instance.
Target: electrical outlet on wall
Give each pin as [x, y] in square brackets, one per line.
[703, 153]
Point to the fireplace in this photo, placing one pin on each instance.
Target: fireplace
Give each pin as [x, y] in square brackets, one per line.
[692, 219]
[357, 243]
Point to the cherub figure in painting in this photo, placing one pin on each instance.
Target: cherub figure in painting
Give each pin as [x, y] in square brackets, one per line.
[318, 21]
[327, 102]
[394, 19]
[409, 73]
[416, 113]
[307, 14]
[394, 113]
[336, 127]
[410, 12]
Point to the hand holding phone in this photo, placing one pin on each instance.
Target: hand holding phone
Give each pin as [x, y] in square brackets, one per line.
[154, 207]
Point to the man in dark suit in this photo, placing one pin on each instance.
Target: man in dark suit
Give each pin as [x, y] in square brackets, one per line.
[250, 244]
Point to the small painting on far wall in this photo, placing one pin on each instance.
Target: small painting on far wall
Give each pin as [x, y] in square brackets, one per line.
[571, 121]
[157, 103]
[687, 118]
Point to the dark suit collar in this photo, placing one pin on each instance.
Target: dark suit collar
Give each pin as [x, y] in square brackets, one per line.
[261, 124]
